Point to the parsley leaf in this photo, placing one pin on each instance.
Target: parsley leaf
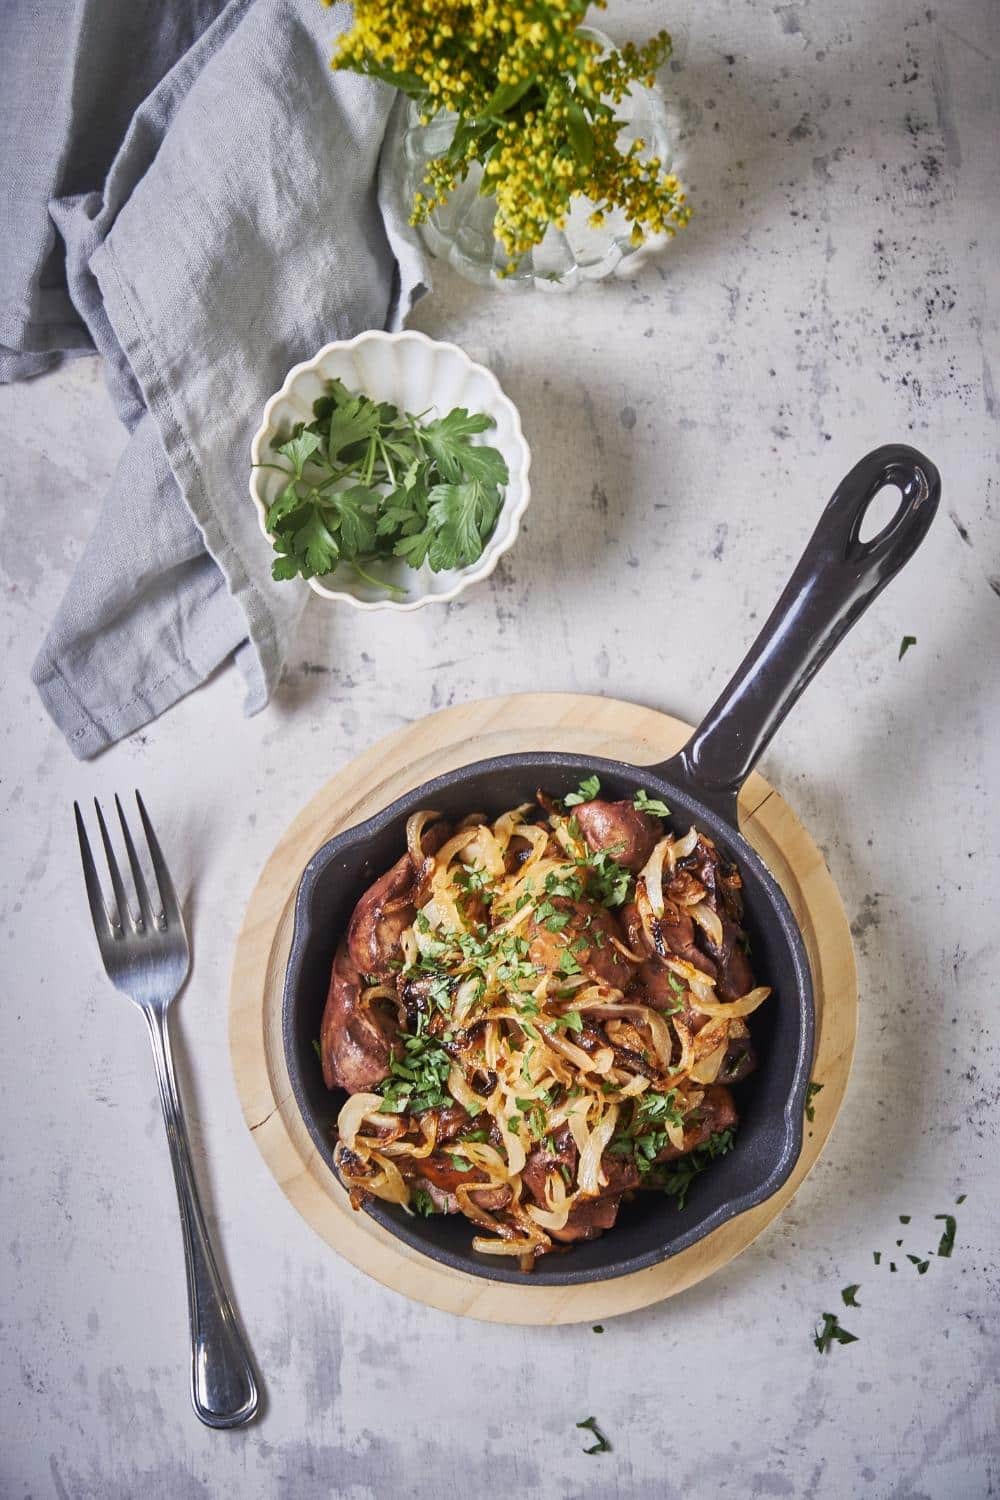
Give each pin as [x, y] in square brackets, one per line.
[830, 1332]
[644, 803]
[422, 1202]
[811, 1092]
[589, 788]
[589, 1424]
[676, 1179]
[461, 517]
[849, 1295]
[905, 644]
[947, 1243]
[448, 440]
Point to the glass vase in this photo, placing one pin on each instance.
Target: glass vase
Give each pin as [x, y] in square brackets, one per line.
[460, 231]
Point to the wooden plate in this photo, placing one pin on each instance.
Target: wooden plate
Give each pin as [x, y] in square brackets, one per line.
[454, 737]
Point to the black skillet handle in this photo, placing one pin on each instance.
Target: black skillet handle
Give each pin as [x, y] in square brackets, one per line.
[837, 578]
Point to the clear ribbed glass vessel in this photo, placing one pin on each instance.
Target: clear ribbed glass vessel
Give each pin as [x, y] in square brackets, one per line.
[461, 230]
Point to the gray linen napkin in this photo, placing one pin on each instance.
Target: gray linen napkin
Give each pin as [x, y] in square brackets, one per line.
[194, 195]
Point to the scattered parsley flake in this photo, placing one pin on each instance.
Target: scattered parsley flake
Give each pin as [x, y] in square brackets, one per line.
[831, 1332]
[904, 1218]
[960, 1199]
[598, 1328]
[905, 644]
[947, 1243]
[877, 1256]
[849, 1295]
[589, 1424]
[811, 1092]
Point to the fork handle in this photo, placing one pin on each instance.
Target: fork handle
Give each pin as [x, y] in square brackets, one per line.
[223, 1387]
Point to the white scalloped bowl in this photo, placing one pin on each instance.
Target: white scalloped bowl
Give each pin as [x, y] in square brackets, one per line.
[417, 374]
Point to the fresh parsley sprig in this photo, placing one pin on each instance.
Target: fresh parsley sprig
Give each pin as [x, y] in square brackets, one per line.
[367, 482]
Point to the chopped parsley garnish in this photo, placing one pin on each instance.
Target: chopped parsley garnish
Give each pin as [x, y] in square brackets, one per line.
[568, 963]
[566, 885]
[921, 1265]
[877, 1257]
[598, 1328]
[316, 1049]
[831, 1332]
[811, 1092]
[418, 1080]
[849, 1295]
[607, 882]
[644, 803]
[589, 1424]
[905, 644]
[677, 1178]
[589, 788]
[960, 1199]
[422, 1202]
[570, 1020]
[904, 1218]
[947, 1243]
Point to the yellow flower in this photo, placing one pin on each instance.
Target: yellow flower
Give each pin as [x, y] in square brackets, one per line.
[454, 55]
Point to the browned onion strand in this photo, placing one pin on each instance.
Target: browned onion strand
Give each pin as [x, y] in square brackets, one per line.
[536, 1051]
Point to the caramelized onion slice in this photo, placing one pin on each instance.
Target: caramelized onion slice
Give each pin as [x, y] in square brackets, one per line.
[354, 1113]
[722, 1008]
[415, 825]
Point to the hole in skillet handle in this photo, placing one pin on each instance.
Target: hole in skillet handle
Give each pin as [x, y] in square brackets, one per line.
[770, 1102]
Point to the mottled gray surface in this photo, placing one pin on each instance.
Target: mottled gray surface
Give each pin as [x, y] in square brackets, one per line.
[837, 289]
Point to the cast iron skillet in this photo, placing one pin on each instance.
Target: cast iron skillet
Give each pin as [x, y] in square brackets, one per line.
[838, 577]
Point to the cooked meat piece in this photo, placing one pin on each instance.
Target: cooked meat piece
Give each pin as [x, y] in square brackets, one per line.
[588, 1219]
[541, 1162]
[627, 834]
[445, 1203]
[441, 1173]
[453, 1120]
[722, 880]
[717, 1112]
[683, 889]
[674, 933]
[657, 991]
[735, 975]
[586, 937]
[739, 1062]
[591, 1216]
[385, 911]
[355, 1041]
[621, 1173]
[441, 1170]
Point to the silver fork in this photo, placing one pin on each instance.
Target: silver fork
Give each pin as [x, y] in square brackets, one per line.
[147, 958]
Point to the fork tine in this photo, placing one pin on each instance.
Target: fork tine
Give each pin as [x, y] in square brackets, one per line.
[117, 884]
[145, 906]
[168, 896]
[102, 922]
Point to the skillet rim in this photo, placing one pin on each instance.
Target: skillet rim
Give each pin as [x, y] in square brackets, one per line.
[793, 1112]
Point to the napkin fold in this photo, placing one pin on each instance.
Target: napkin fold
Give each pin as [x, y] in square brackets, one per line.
[196, 197]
